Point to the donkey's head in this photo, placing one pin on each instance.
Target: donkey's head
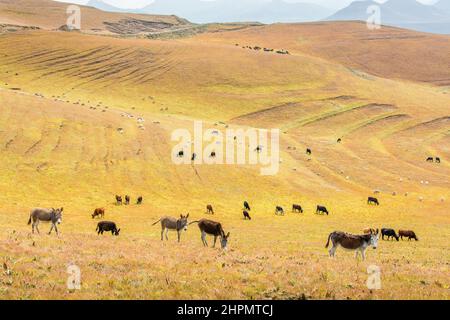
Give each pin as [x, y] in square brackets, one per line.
[224, 240]
[57, 213]
[374, 239]
[183, 222]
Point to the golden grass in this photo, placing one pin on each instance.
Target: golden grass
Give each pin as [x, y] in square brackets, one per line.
[60, 151]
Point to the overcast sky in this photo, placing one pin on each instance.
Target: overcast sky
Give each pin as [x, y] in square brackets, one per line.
[335, 4]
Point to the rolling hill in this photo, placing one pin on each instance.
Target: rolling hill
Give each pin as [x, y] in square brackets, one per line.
[70, 136]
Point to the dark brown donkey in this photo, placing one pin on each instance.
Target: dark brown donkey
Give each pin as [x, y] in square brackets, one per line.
[213, 228]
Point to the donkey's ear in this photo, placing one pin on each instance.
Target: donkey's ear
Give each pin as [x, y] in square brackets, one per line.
[181, 216]
[228, 235]
[187, 216]
[53, 209]
[62, 209]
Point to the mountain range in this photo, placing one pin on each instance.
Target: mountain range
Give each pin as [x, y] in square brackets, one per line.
[400, 13]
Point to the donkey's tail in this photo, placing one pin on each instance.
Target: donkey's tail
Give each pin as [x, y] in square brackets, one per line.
[193, 222]
[156, 222]
[29, 220]
[328, 242]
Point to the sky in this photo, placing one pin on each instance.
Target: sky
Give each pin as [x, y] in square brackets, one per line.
[131, 4]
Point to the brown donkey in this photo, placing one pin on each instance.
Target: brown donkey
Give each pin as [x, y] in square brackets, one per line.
[213, 228]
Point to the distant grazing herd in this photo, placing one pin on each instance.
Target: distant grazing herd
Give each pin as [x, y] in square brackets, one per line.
[357, 243]
[258, 48]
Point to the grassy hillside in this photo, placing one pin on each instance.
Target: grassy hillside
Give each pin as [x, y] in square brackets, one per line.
[63, 97]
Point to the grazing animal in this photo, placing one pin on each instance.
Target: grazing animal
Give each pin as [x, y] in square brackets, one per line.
[389, 233]
[430, 159]
[99, 212]
[193, 157]
[407, 234]
[308, 151]
[169, 223]
[438, 160]
[370, 231]
[213, 154]
[180, 154]
[139, 200]
[246, 206]
[127, 200]
[246, 215]
[339, 140]
[212, 228]
[359, 243]
[118, 200]
[209, 209]
[372, 200]
[279, 210]
[45, 215]
[322, 209]
[258, 149]
[297, 208]
[107, 226]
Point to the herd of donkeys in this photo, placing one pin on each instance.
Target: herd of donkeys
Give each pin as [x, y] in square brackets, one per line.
[357, 243]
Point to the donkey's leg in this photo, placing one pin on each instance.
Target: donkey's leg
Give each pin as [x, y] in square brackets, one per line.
[36, 226]
[204, 239]
[167, 234]
[51, 228]
[56, 229]
[162, 234]
[363, 254]
[179, 235]
[215, 240]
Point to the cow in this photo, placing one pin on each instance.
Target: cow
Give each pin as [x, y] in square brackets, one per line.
[438, 160]
[297, 208]
[279, 210]
[258, 149]
[372, 200]
[212, 228]
[370, 231]
[99, 212]
[308, 151]
[339, 140]
[127, 200]
[118, 200]
[139, 200]
[430, 159]
[45, 215]
[209, 209]
[246, 206]
[107, 226]
[213, 154]
[246, 215]
[180, 154]
[407, 234]
[322, 209]
[193, 157]
[169, 223]
[389, 233]
[359, 243]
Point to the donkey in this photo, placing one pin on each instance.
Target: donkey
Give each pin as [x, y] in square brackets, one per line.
[359, 243]
[45, 215]
[209, 209]
[169, 223]
[213, 228]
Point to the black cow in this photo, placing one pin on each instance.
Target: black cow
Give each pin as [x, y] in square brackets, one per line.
[193, 157]
[279, 210]
[438, 160]
[372, 200]
[389, 233]
[246, 215]
[308, 151]
[180, 154]
[297, 208]
[127, 200]
[107, 226]
[139, 200]
[118, 200]
[430, 159]
[213, 154]
[246, 206]
[322, 209]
